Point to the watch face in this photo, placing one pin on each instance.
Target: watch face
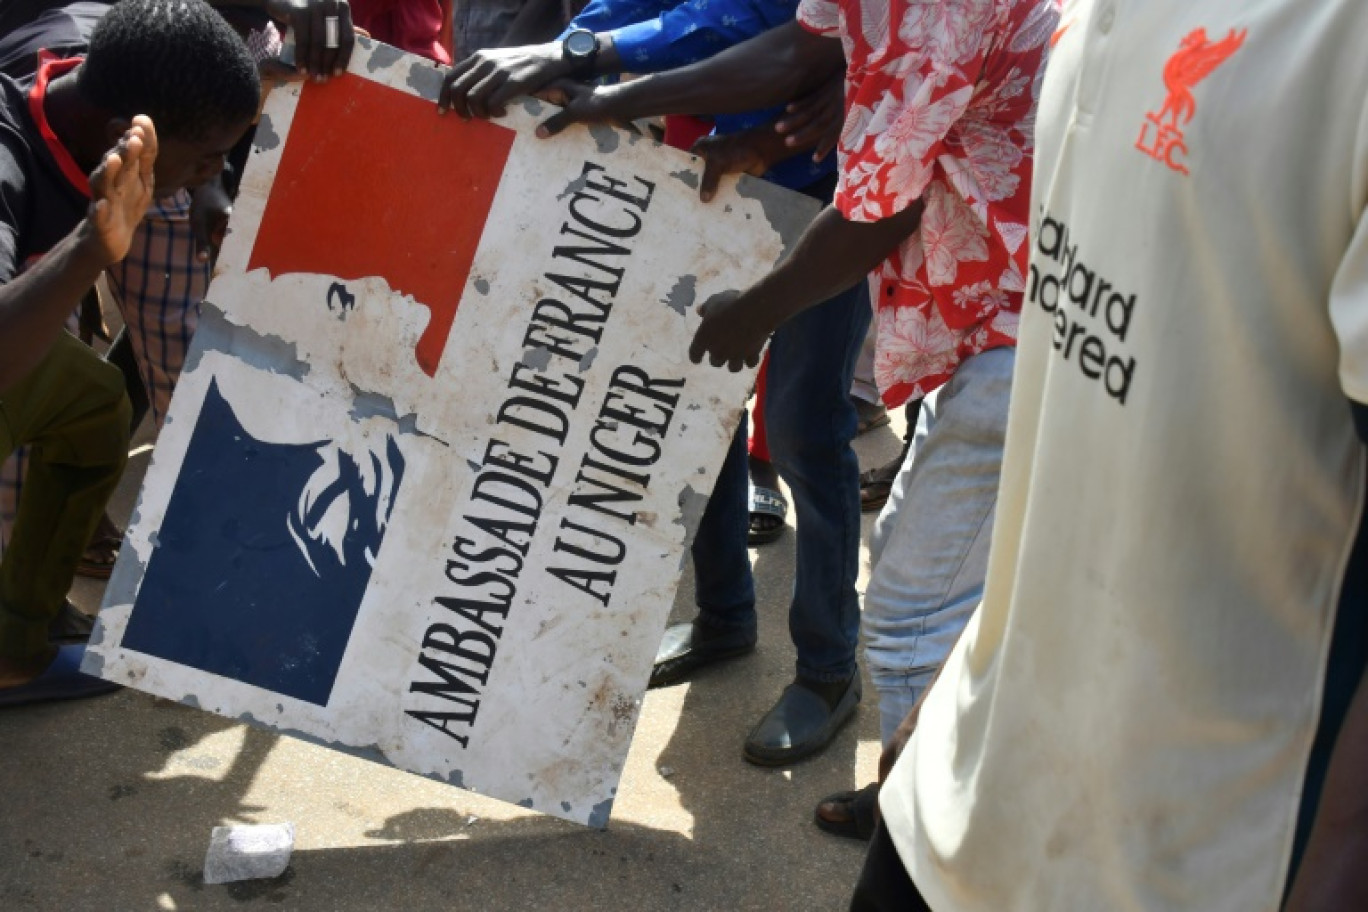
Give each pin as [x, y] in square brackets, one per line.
[580, 43]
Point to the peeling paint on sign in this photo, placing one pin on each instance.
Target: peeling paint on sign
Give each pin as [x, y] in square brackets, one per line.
[680, 297]
[265, 138]
[425, 79]
[431, 470]
[379, 56]
[605, 137]
[776, 203]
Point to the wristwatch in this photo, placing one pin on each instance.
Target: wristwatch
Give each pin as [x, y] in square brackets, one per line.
[581, 48]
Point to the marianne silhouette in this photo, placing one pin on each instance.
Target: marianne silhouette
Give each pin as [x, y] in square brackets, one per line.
[264, 556]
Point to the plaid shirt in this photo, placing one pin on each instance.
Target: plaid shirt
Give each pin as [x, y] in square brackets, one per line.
[158, 289]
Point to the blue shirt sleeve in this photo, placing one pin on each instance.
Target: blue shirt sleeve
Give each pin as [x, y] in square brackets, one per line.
[610, 15]
[655, 36]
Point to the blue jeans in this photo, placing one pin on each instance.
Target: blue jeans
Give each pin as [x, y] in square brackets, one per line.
[929, 551]
[811, 421]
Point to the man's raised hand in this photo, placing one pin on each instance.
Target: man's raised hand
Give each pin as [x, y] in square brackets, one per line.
[121, 190]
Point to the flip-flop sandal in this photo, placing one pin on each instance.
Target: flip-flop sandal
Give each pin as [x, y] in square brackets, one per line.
[874, 490]
[93, 565]
[859, 806]
[61, 681]
[767, 511]
[876, 484]
[70, 626]
[869, 415]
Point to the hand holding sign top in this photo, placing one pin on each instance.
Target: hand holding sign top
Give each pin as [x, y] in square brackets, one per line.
[323, 34]
[483, 83]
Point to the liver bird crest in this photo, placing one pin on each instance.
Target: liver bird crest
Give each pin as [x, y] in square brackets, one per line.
[1196, 58]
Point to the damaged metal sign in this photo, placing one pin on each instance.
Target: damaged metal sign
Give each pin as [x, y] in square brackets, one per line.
[425, 488]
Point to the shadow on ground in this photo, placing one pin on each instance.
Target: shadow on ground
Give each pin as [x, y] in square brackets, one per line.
[109, 804]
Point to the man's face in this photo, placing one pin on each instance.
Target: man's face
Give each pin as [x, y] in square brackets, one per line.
[184, 164]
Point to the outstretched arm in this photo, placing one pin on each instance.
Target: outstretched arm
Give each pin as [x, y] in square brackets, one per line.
[33, 306]
[770, 69]
[832, 255]
[637, 36]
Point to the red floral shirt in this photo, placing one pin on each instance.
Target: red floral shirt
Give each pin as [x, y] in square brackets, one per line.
[940, 106]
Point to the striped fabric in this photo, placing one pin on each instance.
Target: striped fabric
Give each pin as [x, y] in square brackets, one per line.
[158, 289]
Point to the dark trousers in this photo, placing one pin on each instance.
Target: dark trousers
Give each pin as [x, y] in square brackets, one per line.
[72, 413]
[884, 885]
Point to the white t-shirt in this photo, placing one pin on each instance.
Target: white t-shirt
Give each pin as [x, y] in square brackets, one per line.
[1126, 722]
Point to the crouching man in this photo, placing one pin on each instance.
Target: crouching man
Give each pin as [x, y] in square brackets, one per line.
[165, 91]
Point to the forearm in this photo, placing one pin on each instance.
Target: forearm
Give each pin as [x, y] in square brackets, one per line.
[1334, 872]
[770, 69]
[659, 40]
[35, 305]
[832, 255]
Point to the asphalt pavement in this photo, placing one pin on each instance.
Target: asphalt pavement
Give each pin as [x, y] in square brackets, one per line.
[109, 803]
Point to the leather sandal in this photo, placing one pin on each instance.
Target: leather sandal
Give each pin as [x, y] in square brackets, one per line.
[876, 484]
[850, 814]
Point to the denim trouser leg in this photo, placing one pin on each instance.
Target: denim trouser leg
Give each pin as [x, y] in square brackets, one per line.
[723, 587]
[930, 544]
[811, 422]
[862, 385]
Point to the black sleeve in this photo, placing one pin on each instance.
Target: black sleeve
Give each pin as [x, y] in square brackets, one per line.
[13, 203]
[237, 161]
[1360, 419]
[15, 14]
[63, 28]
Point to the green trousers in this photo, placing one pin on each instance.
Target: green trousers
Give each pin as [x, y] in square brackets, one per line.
[72, 412]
